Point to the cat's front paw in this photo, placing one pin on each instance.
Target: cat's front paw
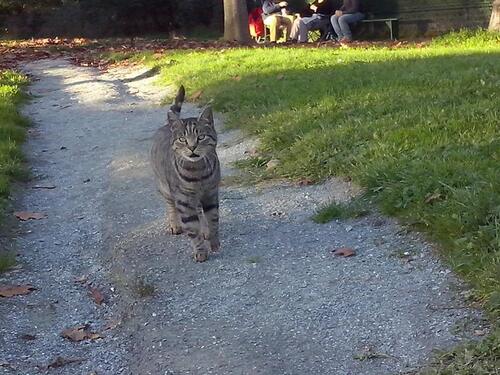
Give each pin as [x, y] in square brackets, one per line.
[214, 244]
[201, 256]
[174, 230]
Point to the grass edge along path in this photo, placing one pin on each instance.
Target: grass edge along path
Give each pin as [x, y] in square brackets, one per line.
[417, 127]
[12, 134]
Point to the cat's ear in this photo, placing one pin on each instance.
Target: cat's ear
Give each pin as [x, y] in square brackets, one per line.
[173, 117]
[179, 99]
[207, 116]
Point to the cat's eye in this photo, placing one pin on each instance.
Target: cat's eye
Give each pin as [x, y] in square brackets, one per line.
[201, 137]
[182, 139]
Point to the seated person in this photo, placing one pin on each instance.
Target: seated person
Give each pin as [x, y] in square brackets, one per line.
[320, 19]
[275, 18]
[348, 13]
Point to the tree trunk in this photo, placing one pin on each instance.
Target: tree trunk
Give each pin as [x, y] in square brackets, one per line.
[236, 21]
[495, 17]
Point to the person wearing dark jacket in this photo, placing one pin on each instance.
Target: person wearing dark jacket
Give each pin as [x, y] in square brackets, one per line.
[275, 18]
[348, 13]
[319, 20]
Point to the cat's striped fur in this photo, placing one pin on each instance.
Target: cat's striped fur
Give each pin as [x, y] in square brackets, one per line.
[187, 170]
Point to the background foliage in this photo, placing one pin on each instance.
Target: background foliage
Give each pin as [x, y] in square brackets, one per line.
[95, 18]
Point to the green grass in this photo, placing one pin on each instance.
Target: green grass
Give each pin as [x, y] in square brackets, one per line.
[480, 358]
[12, 130]
[12, 133]
[417, 127]
[7, 260]
[353, 209]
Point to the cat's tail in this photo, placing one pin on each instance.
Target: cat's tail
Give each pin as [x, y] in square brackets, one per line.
[179, 99]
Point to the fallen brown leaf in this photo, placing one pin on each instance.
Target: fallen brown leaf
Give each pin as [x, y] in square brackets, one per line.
[26, 215]
[49, 187]
[15, 290]
[97, 295]
[27, 337]
[81, 280]
[252, 152]
[80, 333]
[305, 182]
[480, 332]
[344, 252]
[95, 336]
[196, 95]
[273, 163]
[112, 324]
[60, 362]
[8, 366]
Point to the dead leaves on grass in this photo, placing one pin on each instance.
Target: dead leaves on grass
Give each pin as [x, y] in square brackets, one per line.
[15, 290]
[196, 95]
[434, 197]
[86, 52]
[305, 182]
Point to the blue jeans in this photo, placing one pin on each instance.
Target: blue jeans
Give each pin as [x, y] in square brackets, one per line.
[341, 24]
[302, 26]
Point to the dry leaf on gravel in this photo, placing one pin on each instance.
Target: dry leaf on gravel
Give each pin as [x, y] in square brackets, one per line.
[15, 290]
[370, 353]
[27, 337]
[81, 280]
[344, 252]
[112, 324]
[61, 361]
[480, 332]
[80, 333]
[26, 215]
[97, 295]
[8, 366]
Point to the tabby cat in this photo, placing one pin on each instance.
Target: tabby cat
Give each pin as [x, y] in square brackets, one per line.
[187, 170]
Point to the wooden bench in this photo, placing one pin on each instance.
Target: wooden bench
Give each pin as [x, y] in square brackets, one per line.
[392, 24]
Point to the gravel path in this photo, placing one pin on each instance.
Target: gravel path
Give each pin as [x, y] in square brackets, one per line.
[275, 301]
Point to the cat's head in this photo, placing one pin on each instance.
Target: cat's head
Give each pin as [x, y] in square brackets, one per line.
[192, 138]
